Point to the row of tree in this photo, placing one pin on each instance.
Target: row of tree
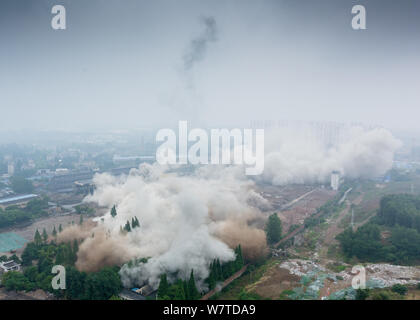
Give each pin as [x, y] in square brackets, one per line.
[179, 290]
[273, 229]
[79, 285]
[399, 244]
[14, 215]
[135, 223]
[187, 289]
[220, 272]
[400, 209]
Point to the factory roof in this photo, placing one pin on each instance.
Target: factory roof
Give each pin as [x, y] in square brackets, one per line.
[17, 198]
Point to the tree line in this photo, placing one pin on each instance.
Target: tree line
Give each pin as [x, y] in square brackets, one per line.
[187, 289]
[99, 285]
[391, 236]
[14, 215]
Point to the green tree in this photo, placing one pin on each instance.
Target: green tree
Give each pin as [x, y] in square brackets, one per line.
[192, 289]
[30, 253]
[54, 232]
[211, 279]
[136, 222]
[163, 287]
[273, 229]
[74, 251]
[239, 261]
[14, 280]
[44, 235]
[176, 291]
[113, 211]
[127, 227]
[399, 288]
[362, 294]
[75, 282]
[60, 228]
[37, 238]
[103, 285]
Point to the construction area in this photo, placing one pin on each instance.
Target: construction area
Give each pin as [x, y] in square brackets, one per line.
[310, 265]
[299, 279]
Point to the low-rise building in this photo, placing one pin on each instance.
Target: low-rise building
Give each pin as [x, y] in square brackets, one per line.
[9, 266]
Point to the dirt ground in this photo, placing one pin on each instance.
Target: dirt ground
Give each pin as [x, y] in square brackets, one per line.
[274, 282]
[281, 196]
[334, 229]
[48, 223]
[305, 207]
[33, 295]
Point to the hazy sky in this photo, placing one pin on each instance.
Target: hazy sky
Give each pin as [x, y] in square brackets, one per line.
[128, 64]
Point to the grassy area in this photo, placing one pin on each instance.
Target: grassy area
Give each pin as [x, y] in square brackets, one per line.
[337, 267]
[413, 293]
[241, 288]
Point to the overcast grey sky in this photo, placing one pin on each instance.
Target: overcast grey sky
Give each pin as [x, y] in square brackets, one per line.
[124, 64]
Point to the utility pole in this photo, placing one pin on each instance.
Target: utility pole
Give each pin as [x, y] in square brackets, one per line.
[352, 219]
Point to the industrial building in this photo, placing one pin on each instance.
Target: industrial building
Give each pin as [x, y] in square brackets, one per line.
[9, 266]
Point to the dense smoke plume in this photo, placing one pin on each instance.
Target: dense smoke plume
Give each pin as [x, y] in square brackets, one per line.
[187, 221]
[98, 248]
[294, 156]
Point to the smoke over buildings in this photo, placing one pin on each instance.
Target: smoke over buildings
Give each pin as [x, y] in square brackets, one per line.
[292, 156]
[187, 221]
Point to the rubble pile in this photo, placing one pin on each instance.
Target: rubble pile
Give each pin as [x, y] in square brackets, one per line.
[317, 280]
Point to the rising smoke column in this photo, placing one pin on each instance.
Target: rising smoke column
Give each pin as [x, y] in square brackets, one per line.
[197, 48]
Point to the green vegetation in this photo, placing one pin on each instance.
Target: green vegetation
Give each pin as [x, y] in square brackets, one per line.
[329, 208]
[135, 223]
[362, 294]
[400, 209]
[84, 209]
[113, 211]
[187, 290]
[336, 267]
[245, 295]
[14, 280]
[273, 229]
[253, 274]
[220, 272]
[400, 289]
[400, 216]
[99, 285]
[384, 294]
[14, 215]
[179, 290]
[127, 226]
